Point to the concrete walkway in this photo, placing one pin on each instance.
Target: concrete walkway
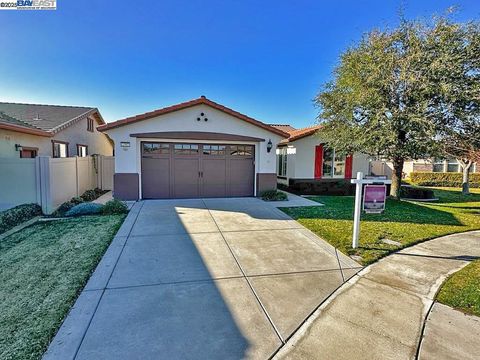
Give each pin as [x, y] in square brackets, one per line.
[201, 279]
[380, 312]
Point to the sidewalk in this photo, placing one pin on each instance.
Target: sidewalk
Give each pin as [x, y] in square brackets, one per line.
[380, 313]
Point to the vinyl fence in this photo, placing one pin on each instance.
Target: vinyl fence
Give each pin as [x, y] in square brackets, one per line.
[49, 182]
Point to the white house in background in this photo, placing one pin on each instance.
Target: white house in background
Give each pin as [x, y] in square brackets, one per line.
[31, 130]
[303, 156]
[198, 148]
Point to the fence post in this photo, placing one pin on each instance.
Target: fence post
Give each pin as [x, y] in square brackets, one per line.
[45, 189]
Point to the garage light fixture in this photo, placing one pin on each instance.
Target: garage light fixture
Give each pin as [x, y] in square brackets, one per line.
[269, 145]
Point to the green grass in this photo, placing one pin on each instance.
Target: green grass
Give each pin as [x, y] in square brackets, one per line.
[42, 270]
[403, 221]
[462, 290]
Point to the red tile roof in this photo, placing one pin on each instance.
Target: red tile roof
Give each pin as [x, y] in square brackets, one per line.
[185, 105]
[284, 127]
[301, 133]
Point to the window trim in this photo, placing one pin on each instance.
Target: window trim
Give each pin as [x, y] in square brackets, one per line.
[86, 150]
[332, 164]
[59, 142]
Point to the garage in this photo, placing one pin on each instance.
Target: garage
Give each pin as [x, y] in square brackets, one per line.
[195, 149]
[191, 170]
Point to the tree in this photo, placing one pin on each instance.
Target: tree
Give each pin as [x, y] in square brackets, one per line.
[454, 50]
[377, 101]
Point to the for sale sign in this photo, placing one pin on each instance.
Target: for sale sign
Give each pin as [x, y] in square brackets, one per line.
[374, 198]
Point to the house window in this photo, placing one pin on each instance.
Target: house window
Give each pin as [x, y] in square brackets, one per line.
[90, 124]
[453, 165]
[282, 161]
[438, 165]
[28, 152]
[82, 150]
[333, 164]
[60, 149]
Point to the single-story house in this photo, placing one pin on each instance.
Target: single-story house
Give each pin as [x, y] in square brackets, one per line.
[198, 148]
[303, 156]
[31, 130]
[380, 167]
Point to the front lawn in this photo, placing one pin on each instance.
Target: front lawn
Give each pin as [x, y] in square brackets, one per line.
[406, 222]
[42, 270]
[462, 290]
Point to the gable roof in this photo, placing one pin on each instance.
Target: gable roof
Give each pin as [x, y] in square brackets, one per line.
[301, 133]
[201, 100]
[284, 127]
[43, 120]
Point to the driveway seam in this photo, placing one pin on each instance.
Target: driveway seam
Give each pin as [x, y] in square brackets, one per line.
[103, 290]
[339, 265]
[247, 280]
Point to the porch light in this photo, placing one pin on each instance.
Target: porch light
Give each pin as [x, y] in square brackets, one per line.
[18, 147]
[269, 145]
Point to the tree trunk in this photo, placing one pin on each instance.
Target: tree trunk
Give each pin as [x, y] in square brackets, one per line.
[396, 178]
[466, 177]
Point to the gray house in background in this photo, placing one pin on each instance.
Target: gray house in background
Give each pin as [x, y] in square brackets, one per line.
[31, 130]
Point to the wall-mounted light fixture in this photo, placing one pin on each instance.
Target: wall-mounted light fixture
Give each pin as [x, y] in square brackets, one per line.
[125, 145]
[18, 147]
[269, 145]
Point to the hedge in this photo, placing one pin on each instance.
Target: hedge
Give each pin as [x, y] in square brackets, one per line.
[17, 215]
[443, 179]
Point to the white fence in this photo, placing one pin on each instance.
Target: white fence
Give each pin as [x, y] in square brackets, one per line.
[49, 182]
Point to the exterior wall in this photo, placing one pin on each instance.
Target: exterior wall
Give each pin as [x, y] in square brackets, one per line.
[97, 142]
[128, 160]
[301, 159]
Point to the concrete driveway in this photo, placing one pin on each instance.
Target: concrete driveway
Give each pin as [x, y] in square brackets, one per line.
[201, 279]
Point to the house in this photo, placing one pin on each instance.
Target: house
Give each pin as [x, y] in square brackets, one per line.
[304, 157]
[198, 148]
[380, 167]
[31, 130]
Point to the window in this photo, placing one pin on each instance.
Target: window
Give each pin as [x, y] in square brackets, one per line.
[156, 148]
[90, 124]
[186, 149]
[282, 161]
[241, 150]
[218, 150]
[438, 165]
[453, 165]
[28, 152]
[333, 164]
[82, 150]
[60, 149]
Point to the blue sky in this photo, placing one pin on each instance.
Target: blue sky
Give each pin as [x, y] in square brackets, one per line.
[266, 59]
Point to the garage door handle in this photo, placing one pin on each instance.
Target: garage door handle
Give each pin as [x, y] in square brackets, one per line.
[200, 174]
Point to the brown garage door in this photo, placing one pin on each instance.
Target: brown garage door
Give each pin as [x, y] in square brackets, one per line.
[172, 170]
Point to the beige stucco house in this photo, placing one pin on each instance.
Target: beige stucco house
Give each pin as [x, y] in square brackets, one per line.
[303, 156]
[31, 130]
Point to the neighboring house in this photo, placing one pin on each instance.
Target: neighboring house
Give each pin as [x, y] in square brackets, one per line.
[422, 165]
[194, 149]
[303, 156]
[31, 130]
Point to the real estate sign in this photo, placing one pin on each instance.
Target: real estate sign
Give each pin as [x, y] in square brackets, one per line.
[374, 197]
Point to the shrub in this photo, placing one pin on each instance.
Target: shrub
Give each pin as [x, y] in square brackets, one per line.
[84, 209]
[114, 206]
[274, 195]
[443, 179]
[17, 215]
[320, 187]
[89, 195]
[76, 200]
[412, 192]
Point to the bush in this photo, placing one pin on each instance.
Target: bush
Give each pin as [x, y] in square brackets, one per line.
[76, 200]
[91, 195]
[443, 179]
[320, 187]
[84, 209]
[114, 206]
[273, 195]
[411, 192]
[17, 215]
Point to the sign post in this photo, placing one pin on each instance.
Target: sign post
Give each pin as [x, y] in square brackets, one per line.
[373, 200]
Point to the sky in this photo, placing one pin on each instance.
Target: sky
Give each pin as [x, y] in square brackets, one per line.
[266, 59]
